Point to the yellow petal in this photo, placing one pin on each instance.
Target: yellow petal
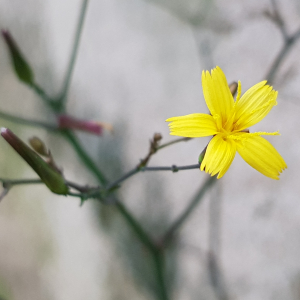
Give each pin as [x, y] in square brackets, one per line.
[193, 125]
[219, 156]
[254, 105]
[262, 156]
[217, 94]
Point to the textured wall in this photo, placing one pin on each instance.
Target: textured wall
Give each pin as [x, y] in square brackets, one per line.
[139, 63]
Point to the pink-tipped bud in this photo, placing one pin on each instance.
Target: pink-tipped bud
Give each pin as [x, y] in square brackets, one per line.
[68, 122]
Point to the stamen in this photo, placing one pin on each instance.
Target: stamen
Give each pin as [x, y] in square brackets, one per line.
[239, 91]
[272, 102]
[263, 133]
[218, 121]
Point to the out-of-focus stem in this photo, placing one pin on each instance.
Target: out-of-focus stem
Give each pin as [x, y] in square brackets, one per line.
[185, 139]
[65, 89]
[85, 158]
[11, 182]
[288, 43]
[159, 262]
[189, 209]
[20, 120]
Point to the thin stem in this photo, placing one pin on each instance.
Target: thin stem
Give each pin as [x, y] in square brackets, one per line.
[159, 262]
[214, 240]
[145, 169]
[4, 193]
[39, 91]
[172, 168]
[23, 121]
[189, 209]
[12, 182]
[276, 17]
[123, 178]
[9, 183]
[281, 55]
[65, 89]
[137, 228]
[185, 139]
[148, 242]
[86, 159]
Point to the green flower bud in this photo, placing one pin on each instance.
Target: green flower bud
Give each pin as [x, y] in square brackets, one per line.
[52, 179]
[22, 68]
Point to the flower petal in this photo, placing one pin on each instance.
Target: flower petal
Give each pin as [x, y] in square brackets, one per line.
[217, 94]
[219, 156]
[254, 105]
[262, 156]
[193, 125]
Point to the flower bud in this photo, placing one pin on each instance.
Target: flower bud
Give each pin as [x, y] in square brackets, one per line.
[22, 68]
[52, 179]
[233, 87]
[38, 145]
[68, 122]
[201, 156]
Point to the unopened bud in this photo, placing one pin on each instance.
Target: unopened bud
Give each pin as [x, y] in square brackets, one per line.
[202, 154]
[68, 122]
[38, 145]
[233, 88]
[22, 68]
[52, 179]
[157, 137]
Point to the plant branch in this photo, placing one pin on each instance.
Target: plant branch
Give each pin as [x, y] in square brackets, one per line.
[281, 55]
[85, 158]
[289, 41]
[65, 89]
[23, 121]
[11, 182]
[173, 168]
[185, 139]
[137, 228]
[168, 236]
[159, 260]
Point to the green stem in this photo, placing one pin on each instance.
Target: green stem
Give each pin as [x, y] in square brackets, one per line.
[19, 120]
[65, 89]
[189, 209]
[159, 262]
[185, 139]
[288, 43]
[11, 182]
[137, 228]
[157, 254]
[86, 159]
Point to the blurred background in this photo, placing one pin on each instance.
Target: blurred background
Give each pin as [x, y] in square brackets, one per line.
[140, 62]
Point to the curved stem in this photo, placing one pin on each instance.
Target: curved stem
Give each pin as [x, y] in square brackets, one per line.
[137, 228]
[20, 120]
[86, 159]
[184, 139]
[159, 262]
[65, 89]
[289, 42]
[189, 209]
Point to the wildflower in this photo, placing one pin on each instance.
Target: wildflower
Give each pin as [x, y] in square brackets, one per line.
[228, 123]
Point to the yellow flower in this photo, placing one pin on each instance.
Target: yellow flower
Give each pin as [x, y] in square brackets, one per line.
[228, 123]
